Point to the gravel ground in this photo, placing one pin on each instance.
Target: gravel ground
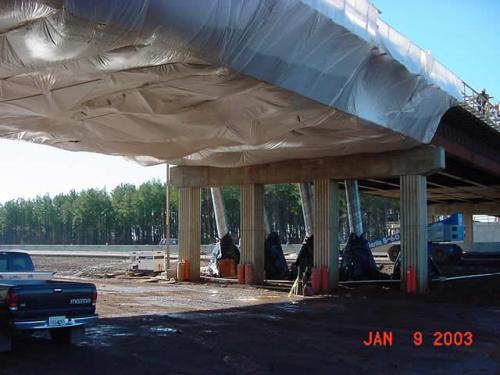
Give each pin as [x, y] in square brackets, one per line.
[125, 295]
[121, 294]
[80, 266]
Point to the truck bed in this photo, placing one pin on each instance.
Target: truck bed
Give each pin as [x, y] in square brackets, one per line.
[44, 304]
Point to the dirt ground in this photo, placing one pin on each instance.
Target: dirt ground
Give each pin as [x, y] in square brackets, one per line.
[149, 327]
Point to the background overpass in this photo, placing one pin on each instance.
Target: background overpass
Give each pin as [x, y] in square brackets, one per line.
[472, 173]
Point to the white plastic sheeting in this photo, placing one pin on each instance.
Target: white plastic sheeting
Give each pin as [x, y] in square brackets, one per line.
[215, 82]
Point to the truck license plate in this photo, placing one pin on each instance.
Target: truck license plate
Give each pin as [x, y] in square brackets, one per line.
[57, 321]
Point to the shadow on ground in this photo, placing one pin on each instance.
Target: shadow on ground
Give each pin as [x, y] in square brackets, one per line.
[321, 336]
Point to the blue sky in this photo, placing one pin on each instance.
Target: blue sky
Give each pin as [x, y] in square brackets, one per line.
[462, 34]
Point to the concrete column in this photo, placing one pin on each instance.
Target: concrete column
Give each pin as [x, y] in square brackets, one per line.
[306, 197]
[252, 229]
[326, 231]
[220, 212]
[469, 229]
[190, 229]
[354, 207]
[414, 230]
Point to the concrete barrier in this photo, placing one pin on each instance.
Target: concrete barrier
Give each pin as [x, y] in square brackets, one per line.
[99, 248]
[110, 250]
[487, 232]
[486, 247]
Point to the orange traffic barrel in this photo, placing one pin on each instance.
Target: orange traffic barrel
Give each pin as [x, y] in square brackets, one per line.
[315, 280]
[232, 268]
[180, 271]
[241, 274]
[249, 274]
[227, 267]
[324, 279]
[186, 269]
[411, 280]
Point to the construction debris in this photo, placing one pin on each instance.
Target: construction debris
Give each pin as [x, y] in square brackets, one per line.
[357, 261]
[223, 250]
[275, 262]
[305, 258]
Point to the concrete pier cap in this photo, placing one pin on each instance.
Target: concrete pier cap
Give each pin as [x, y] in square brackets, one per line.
[411, 166]
[423, 160]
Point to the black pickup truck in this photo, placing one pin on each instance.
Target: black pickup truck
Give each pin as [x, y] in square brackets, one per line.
[29, 302]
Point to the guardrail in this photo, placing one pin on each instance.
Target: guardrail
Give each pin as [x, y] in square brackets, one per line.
[478, 103]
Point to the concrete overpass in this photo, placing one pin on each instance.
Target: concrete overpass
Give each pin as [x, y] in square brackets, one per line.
[249, 93]
[458, 172]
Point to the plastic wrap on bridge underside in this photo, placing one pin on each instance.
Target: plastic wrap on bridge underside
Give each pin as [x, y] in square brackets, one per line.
[215, 82]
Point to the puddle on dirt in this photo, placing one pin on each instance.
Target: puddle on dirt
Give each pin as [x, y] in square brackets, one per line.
[123, 334]
[162, 331]
[133, 289]
[194, 315]
[97, 335]
[102, 329]
[272, 317]
[167, 301]
[291, 307]
[224, 315]
[209, 332]
[259, 298]
[247, 299]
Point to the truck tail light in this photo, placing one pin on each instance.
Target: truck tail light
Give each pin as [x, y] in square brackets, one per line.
[12, 300]
[94, 297]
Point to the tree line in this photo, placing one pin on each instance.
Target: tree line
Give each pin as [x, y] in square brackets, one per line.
[132, 214]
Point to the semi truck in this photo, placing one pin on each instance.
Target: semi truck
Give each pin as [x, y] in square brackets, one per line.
[441, 236]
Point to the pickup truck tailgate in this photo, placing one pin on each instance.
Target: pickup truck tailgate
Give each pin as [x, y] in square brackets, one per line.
[52, 298]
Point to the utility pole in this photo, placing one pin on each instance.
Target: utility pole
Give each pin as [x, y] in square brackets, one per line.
[167, 220]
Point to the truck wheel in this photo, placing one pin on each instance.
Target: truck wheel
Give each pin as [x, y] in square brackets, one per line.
[5, 341]
[393, 252]
[458, 254]
[68, 336]
[440, 255]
